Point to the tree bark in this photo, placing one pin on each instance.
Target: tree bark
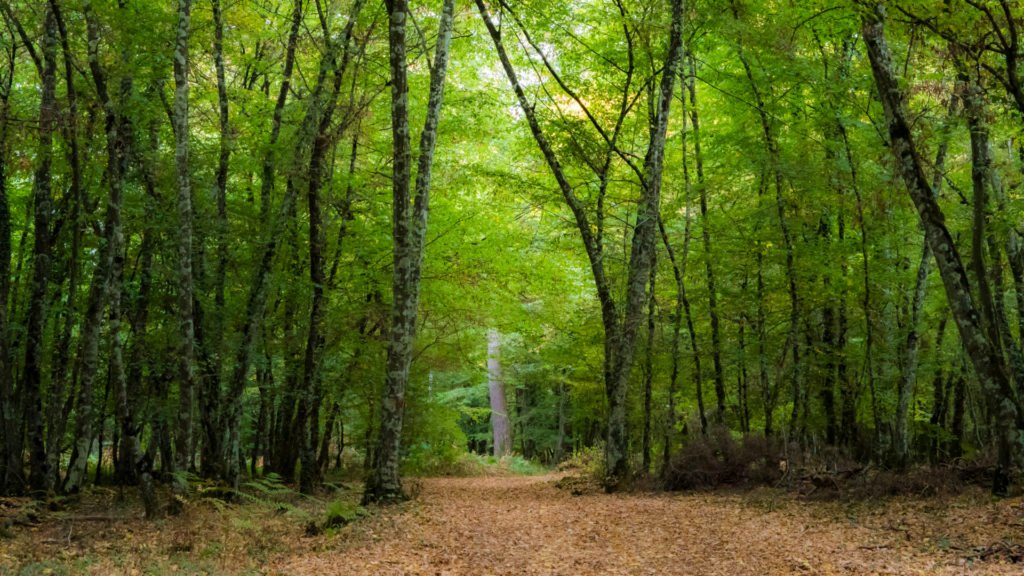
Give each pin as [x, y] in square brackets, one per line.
[649, 374]
[308, 420]
[10, 429]
[716, 338]
[409, 228]
[988, 364]
[40, 476]
[500, 428]
[56, 421]
[185, 289]
[641, 261]
[111, 248]
[908, 376]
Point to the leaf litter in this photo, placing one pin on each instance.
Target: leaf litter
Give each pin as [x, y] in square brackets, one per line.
[516, 525]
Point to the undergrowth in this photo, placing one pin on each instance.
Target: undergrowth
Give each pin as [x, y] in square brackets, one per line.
[719, 460]
[469, 464]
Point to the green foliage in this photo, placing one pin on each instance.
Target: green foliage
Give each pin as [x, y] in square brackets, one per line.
[435, 441]
[342, 513]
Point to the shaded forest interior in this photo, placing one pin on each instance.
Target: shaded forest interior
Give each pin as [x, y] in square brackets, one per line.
[291, 236]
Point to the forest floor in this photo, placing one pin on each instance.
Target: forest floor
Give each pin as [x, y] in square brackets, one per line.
[526, 525]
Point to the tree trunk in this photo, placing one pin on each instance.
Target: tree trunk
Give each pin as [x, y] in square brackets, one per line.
[408, 234]
[325, 441]
[909, 365]
[40, 476]
[186, 293]
[500, 428]
[56, 421]
[988, 364]
[716, 338]
[641, 261]
[10, 430]
[111, 248]
[560, 443]
[308, 420]
[649, 375]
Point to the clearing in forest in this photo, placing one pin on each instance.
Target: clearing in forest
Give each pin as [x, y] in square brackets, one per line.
[515, 525]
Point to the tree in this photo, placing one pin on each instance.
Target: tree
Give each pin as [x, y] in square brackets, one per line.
[409, 229]
[987, 363]
[620, 332]
[500, 427]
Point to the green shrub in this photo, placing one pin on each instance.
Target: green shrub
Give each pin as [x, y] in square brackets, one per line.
[342, 512]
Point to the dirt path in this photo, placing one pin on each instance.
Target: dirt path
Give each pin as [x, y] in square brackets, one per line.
[526, 526]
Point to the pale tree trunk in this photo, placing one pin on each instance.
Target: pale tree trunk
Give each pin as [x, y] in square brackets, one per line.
[988, 364]
[409, 228]
[560, 444]
[500, 428]
[186, 325]
[40, 476]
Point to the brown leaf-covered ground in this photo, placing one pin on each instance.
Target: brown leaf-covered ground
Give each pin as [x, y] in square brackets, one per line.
[524, 525]
[518, 525]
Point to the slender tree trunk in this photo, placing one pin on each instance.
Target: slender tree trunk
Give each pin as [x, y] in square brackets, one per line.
[256, 301]
[828, 340]
[909, 367]
[409, 228]
[742, 380]
[678, 271]
[308, 420]
[186, 292]
[848, 390]
[649, 375]
[716, 338]
[768, 392]
[981, 350]
[11, 471]
[209, 344]
[560, 443]
[940, 396]
[957, 426]
[325, 441]
[641, 261]
[111, 249]
[40, 476]
[56, 422]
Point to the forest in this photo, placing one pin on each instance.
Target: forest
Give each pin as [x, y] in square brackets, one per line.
[689, 243]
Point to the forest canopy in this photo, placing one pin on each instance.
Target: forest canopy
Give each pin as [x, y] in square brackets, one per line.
[288, 236]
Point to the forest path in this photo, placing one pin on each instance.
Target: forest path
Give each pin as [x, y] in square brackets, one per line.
[514, 525]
